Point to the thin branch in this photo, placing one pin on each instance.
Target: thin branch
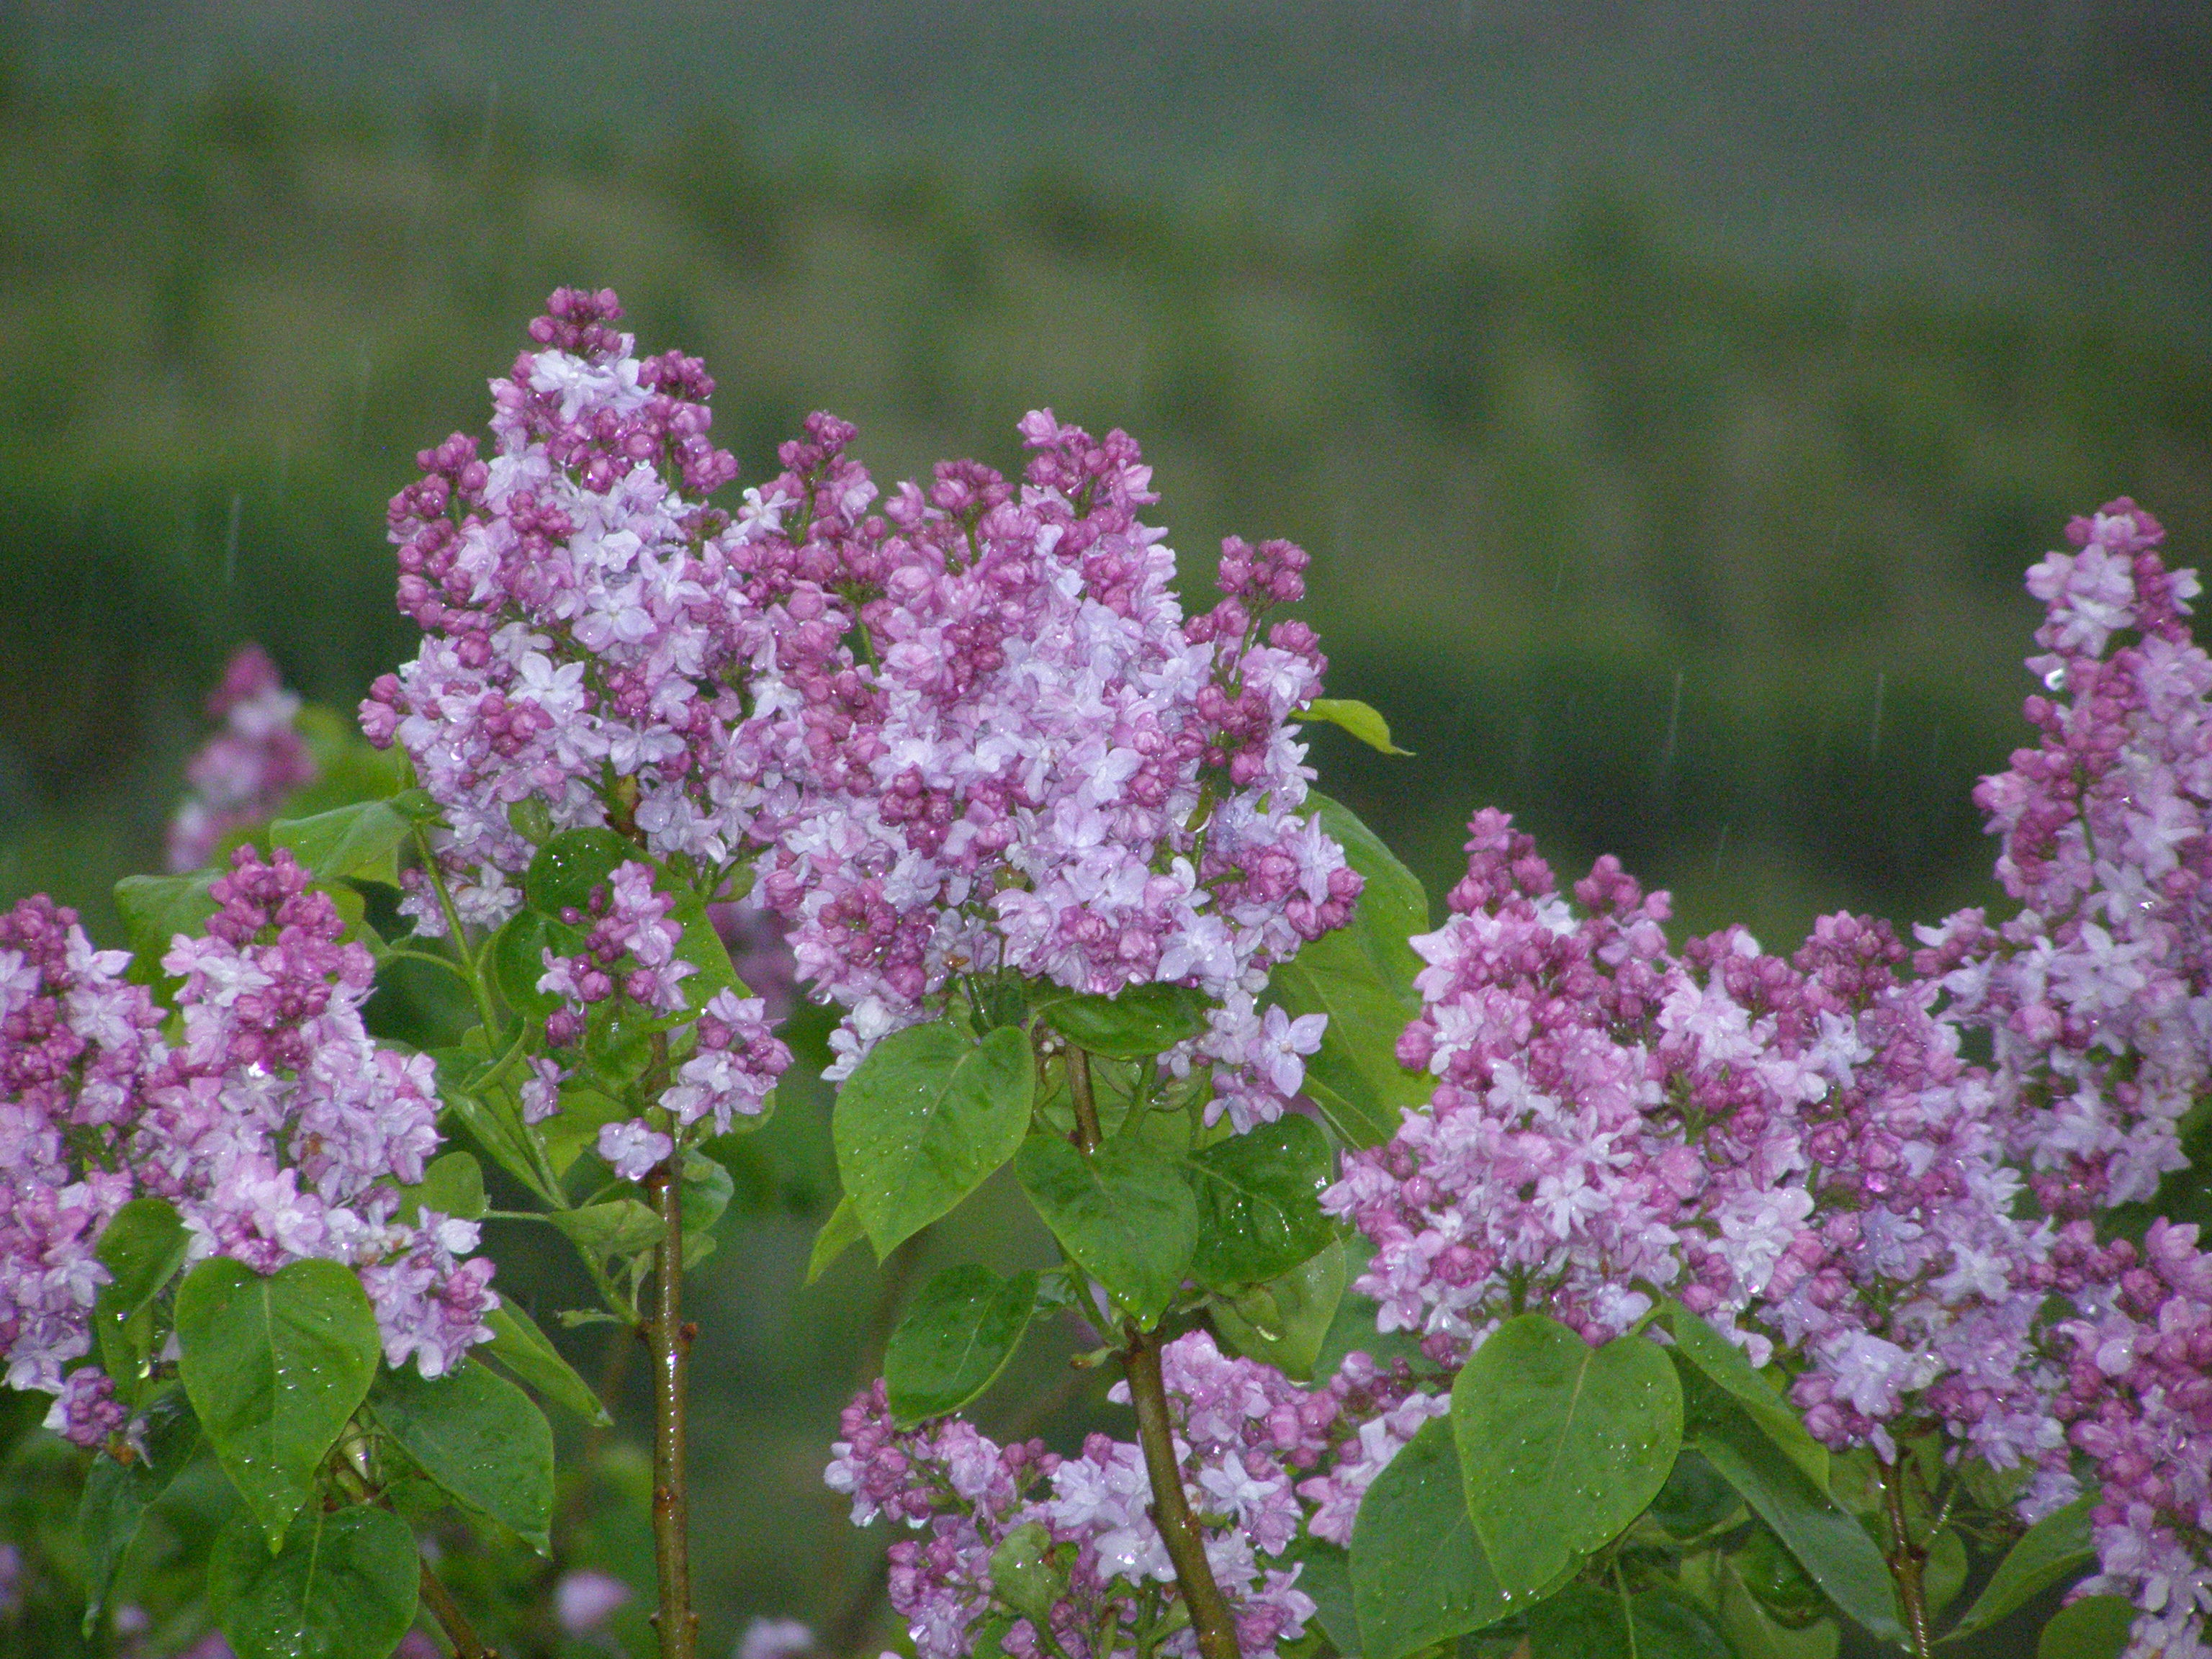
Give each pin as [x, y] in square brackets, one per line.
[1210, 1618]
[451, 1619]
[1087, 1135]
[1906, 1559]
[670, 1340]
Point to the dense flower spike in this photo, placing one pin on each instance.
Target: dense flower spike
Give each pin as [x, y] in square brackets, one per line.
[277, 1127]
[2098, 993]
[1044, 768]
[243, 773]
[1244, 1435]
[588, 642]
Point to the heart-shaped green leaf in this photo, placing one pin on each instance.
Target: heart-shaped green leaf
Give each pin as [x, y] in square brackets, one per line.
[563, 872]
[1124, 1213]
[344, 1587]
[955, 1341]
[479, 1436]
[1562, 1444]
[1259, 1201]
[1419, 1575]
[275, 1366]
[925, 1119]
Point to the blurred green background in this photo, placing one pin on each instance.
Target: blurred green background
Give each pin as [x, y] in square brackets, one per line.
[1670, 396]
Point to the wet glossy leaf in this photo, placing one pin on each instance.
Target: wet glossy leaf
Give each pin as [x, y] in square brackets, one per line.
[518, 1343]
[925, 1119]
[1562, 1444]
[563, 872]
[1419, 1575]
[2095, 1627]
[955, 1341]
[1721, 1364]
[451, 1185]
[1124, 1212]
[1259, 1201]
[274, 1367]
[117, 1495]
[344, 1587]
[142, 1246]
[361, 839]
[478, 1437]
[1132, 1024]
[2054, 1550]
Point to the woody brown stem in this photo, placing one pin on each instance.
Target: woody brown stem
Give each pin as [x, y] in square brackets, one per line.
[1210, 1618]
[451, 1619]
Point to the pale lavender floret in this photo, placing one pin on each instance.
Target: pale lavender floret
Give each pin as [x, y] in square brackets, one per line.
[633, 1149]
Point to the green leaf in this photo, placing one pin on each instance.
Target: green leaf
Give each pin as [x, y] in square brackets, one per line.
[1285, 1320]
[1754, 1633]
[839, 1234]
[702, 947]
[1362, 977]
[563, 872]
[142, 1246]
[925, 1119]
[478, 1437]
[1562, 1444]
[1419, 1575]
[451, 1185]
[155, 909]
[2055, 1549]
[955, 1341]
[116, 1496]
[2095, 1627]
[1364, 722]
[1352, 1329]
[491, 1115]
[362, 840]
[1667, 1626]
[1827, 1542]
[344, 1587]
[1124, 1212]
[1695, 1499]
[1259, 1201]
[574, 1129]
[1325, 1574]
[1024, 1578]
[1721, 1363]
[522, 1348]
[275, 1366]
[1393, 906]
[620, 1226]
[518, 960]
[706, 1192]
[1584, 1621]
[1132, 1024]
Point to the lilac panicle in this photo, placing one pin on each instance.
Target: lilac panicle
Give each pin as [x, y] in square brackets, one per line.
[243, 773]
[271, 1121]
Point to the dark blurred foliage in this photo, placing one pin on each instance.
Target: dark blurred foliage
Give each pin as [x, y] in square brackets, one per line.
[1719, 573]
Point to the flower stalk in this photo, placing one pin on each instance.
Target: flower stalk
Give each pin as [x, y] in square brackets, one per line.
[1210, 1618]
[669, 1340]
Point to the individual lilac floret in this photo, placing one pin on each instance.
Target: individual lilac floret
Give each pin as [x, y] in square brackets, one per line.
[243, 775]
[1044, 768]
[2098, 995]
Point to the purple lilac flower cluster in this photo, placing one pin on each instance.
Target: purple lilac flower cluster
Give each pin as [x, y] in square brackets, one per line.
[1046, 769]
[1795, 1148]
[2098, 994]
[1244, 1435]
[242, 775]
[274, 1124]
[588, 642]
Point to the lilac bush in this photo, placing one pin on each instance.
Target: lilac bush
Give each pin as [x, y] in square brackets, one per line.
[1535, 1279]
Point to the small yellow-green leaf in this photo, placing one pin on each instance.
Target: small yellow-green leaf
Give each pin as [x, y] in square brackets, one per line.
[1351, 714]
